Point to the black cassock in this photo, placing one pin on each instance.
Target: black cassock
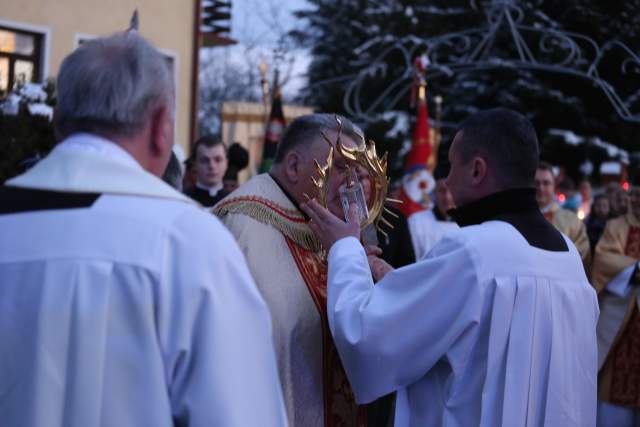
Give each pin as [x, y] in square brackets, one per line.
[204, 198]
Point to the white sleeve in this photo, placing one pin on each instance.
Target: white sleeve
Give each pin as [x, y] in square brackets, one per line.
[417, 237]
[390, 335]
[620, 285]
[216, 333]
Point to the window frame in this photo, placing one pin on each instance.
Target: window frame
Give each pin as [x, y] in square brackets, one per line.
[40, 55]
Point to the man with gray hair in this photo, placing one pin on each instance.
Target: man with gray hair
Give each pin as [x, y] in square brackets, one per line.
[285, 259]
[121, 302]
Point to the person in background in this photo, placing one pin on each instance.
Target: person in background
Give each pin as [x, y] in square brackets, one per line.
[597, 219]
[189, 176]
[173, 174]
[564, 220]
[616, 278]
[122, 303]
[587, 200]
[618, 199]
[238, 160]
[430, 226]
[210, 164]
[572, 198]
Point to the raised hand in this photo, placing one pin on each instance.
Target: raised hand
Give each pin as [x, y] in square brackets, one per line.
[328, 227]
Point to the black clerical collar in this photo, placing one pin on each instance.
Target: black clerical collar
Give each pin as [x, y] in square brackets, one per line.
[494, 206]
[519, 208]
[439, 215]
[289, 196]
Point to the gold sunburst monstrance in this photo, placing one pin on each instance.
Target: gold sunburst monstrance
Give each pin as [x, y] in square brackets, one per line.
[363, 154]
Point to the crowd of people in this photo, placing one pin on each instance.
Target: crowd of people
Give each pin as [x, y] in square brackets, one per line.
[126, 301]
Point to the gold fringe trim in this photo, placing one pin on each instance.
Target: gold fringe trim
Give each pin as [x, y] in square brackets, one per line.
[260, 209]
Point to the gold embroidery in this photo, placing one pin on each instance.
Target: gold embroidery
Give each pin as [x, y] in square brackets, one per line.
[289, 222]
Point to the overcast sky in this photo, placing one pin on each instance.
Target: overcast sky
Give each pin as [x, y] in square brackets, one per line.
[261, 20]
[259, 23]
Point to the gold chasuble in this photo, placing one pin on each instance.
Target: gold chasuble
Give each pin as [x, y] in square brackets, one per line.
[286, 261]
[619, 324]
[569, 224]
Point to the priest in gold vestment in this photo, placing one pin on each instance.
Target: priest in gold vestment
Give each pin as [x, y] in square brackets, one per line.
[565, 221]
[290, 269]
[616, 278]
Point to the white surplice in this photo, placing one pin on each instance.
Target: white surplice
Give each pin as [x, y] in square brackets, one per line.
[136, 309]
[485, 331]
[426, 231]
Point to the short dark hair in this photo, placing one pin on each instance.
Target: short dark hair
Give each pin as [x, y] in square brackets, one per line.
[306, 129]
[238, 159]
[545, 166]
[508, 141]
[207, 141]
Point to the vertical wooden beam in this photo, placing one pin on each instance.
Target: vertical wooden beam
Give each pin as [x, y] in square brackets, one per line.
[195, 72]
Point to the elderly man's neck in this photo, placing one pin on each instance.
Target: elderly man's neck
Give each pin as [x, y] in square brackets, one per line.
[136, 144]
[289, 188]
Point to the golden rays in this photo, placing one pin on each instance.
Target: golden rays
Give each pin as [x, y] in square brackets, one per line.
[364, 155]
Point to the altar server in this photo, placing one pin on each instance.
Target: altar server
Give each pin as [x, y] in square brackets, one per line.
[497, 325]
[121, 302]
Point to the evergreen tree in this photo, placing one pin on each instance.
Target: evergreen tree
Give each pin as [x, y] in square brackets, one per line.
[346, 36]
[25, 136]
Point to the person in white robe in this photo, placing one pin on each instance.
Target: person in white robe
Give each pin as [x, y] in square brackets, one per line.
[428, 227]
[286, 260]
[497, 325]
[122, 303]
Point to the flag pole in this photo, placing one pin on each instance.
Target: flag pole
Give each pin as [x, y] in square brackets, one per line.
[436, 136]
[274, 126]
[266, 90]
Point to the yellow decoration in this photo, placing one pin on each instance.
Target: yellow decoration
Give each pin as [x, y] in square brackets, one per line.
[364, 154]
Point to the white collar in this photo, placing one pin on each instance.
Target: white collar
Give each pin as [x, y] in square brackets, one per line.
[97, 145]
[99, 166]
[212, 190]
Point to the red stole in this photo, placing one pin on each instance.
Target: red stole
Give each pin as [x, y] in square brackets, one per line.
[340, 409]
[625, 381]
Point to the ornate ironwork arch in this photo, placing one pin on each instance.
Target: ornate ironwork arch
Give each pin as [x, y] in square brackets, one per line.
[556, 51]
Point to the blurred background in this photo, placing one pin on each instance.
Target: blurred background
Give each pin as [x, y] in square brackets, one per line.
[572, 67]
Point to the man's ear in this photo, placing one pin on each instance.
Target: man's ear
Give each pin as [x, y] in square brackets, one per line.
[160, 131]
[293, 166]
[479, 170]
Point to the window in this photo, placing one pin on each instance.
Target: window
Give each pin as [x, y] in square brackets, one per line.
[20, 53]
